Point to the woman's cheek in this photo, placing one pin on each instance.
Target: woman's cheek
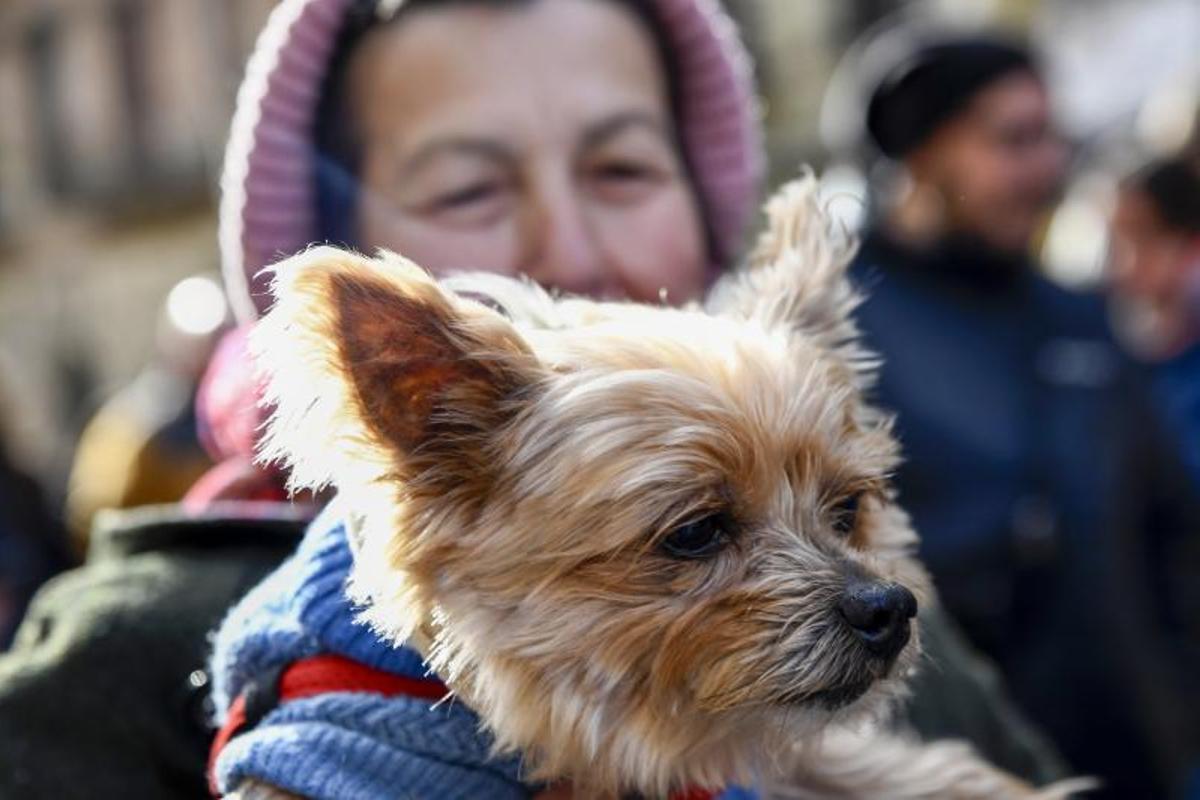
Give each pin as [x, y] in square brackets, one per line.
[443, 249]
[659, 245]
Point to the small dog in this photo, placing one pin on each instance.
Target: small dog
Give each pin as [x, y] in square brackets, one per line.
[652, 548]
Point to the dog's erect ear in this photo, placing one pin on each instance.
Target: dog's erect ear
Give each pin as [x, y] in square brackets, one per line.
[796, 276]
[370, 365]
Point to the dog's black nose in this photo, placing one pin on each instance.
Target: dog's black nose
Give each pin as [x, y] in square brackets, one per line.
[878, 613]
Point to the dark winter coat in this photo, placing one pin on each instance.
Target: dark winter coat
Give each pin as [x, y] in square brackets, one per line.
[1054, 517]
[103, 692]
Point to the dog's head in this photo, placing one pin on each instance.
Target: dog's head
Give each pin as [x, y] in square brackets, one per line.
[646, 544]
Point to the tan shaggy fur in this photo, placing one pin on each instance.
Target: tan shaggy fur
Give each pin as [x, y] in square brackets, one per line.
[512, 463]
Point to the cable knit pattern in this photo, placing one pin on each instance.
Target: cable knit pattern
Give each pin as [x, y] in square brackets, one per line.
[343, 745]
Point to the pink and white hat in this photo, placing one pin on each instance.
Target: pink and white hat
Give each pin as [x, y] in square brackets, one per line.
[268, 208]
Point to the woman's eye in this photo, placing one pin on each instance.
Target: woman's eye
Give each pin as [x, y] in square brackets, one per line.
[701, 538]
[474, 205]
[844, 515]
[625, 182]
[466, 196]
[624, 171]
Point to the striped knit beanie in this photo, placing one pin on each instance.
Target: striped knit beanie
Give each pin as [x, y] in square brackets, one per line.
[268, 203]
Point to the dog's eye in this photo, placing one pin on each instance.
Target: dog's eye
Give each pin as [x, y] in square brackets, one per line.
[700, 538]
[844, 515]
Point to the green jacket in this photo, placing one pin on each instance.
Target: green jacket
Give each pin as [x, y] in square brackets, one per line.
[103, 694]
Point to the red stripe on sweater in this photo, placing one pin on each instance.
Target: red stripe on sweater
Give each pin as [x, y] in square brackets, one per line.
[318, 675]
[323, 674]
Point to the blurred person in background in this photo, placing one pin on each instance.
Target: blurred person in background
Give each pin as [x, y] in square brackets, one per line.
[1155, 293]
[1032, 471]
[660, 199]
[1155, 273]
[143, 446]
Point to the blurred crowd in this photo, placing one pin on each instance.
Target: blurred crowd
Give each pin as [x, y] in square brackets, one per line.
[1051, 431]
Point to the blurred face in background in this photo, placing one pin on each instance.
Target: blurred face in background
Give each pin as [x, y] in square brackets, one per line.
[534, 138]
[1155, 270]
[997, 165]
[1147, 258]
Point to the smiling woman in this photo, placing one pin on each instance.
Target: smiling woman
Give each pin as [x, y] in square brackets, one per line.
[493, 162]
[572, 176]
[599, 146]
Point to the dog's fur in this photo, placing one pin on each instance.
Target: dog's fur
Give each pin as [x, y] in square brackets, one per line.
[515, 461]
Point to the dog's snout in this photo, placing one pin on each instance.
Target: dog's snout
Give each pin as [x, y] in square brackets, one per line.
[879, 615]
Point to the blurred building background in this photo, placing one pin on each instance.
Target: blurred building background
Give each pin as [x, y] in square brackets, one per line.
[113, 116]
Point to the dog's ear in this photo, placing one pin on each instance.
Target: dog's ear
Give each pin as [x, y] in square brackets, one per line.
[796, 277]
[373, 370]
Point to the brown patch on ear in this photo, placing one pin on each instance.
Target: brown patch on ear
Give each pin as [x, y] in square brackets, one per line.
[411, 366]
[375, 372]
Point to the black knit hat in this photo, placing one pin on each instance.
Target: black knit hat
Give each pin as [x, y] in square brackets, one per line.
[934, 84]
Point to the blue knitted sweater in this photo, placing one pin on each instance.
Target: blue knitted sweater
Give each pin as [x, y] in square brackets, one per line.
[345, 745]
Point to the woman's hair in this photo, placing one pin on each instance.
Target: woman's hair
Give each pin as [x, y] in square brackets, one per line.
[339, 146]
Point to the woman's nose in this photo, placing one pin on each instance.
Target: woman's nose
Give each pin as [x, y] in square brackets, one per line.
[565, 251]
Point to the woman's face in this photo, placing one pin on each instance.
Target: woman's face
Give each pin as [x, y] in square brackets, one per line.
[530, 139]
